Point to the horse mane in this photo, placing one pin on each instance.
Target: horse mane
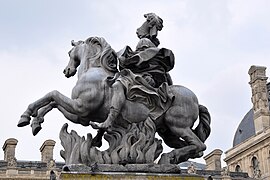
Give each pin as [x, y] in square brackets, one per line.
[107, 56]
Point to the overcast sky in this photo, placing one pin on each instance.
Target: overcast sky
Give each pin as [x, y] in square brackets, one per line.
[214, 42]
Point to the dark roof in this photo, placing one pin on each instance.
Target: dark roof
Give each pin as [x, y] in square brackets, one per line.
[245, 130]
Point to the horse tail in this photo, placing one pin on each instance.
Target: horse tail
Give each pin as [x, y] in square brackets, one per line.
[203, 129]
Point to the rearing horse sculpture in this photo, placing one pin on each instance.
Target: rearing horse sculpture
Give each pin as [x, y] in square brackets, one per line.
[91, 96]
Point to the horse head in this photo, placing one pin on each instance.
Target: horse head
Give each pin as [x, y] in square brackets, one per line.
[75, 61]
[93, 52]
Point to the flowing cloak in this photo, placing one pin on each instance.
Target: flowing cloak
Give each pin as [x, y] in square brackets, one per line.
[136, 88]
[154, 61]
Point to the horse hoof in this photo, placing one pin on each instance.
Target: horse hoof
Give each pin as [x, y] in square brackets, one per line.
[36, 128]
[24, 121]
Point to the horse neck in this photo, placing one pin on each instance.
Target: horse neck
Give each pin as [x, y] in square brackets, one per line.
[90, 65]
[87, 62]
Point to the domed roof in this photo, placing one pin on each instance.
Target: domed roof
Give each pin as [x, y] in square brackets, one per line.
[245, 130]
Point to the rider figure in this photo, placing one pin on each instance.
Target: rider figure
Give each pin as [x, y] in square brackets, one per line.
[146, 67]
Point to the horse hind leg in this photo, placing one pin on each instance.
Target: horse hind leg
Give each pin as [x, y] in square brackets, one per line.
[193, 149]
[169, 138]
[179, 124]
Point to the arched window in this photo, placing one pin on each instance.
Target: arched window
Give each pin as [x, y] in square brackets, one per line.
[255, 167]
[238, 168]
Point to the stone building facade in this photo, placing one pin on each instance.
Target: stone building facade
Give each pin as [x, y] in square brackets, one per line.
[46, 168]
[215, 171]
[251, 146]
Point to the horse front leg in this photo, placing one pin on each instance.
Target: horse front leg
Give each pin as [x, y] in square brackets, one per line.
[72, 106]
[39, 119]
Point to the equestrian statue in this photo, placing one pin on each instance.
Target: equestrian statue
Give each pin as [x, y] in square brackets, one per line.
[128, 96]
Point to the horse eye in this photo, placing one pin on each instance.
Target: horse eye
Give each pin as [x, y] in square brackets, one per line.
[95, 41]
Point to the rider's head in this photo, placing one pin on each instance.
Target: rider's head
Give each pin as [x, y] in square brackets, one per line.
[144, 43]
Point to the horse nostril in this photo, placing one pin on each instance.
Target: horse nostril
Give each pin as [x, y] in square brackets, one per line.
[66, 70]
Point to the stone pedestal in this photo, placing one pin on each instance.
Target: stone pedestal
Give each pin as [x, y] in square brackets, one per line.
[129, 172]
[128, 176]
